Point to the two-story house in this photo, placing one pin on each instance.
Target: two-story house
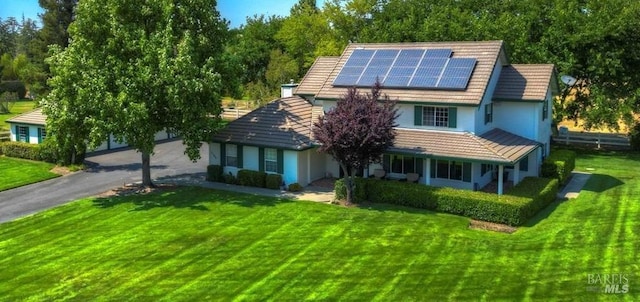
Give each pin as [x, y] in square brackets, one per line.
[467, 116]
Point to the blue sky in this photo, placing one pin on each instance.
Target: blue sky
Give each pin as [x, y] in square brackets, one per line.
[235, 11]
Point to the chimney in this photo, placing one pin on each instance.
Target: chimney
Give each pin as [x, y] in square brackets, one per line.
[286, 90]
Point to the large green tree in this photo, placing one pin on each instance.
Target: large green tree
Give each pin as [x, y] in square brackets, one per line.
[134, 68]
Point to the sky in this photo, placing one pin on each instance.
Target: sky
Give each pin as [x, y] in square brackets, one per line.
[236, 11]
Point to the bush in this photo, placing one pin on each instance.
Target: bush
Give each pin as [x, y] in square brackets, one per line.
[559, 165]
[214, 173]
[14, 86]
[295, 187]
[230, 179]
[20, 150]
[252, 178]
[634, 137]
[273, 181]
[530, 196]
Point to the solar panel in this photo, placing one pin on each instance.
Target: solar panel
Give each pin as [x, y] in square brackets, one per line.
[414, 68]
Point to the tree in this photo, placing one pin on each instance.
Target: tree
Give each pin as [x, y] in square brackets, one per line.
[134, 68]
[57, 16]
[281, 69]
[357, 131]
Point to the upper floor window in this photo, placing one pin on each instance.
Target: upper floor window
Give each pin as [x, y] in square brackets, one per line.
[434, 116]
[545, 110]
[488, 113]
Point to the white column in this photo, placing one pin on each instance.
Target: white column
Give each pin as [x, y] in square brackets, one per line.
[308, 167]
[428, 172]
[516, 172]
[500, 178]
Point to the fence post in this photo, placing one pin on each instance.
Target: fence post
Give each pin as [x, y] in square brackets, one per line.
[598, 140]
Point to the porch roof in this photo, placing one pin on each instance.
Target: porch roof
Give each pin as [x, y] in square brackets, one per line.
[496, 146]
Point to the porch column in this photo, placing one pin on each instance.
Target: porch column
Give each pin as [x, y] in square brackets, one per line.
[308, 166]
[500, 178]
[428, 172]
[516, 173]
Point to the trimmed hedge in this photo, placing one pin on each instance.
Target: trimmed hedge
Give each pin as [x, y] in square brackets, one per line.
[295, 187]
[23, 150]
[252, 178]
[214, 173]
[559, 165]
[533, 195]
[273, 181]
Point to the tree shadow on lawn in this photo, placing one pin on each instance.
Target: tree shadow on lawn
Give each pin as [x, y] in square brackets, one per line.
[599, 183]
[182, 198]
[93, 167]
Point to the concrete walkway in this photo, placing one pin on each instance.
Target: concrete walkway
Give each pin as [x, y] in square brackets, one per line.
[311, 193]
[572, 189]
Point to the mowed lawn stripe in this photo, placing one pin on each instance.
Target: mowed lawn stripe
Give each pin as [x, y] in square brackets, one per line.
[19, 172]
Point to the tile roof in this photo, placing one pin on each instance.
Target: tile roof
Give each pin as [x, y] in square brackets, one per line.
[34, 117]
[497, 145]
[528, 82]
[316, 76]
[284, 123]
[487, 54]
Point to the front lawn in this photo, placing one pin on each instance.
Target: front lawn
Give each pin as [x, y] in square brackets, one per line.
[15, 172]
[195, 244]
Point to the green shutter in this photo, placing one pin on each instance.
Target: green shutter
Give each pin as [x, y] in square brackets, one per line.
[432, 171]
[453, 117]
[417, 115]
[239, 155]
[280, 161]
[420, 166]
[261, 159]
[524, 164]
[39, 135]
[17, 133]
[223, 154]
[466, 172]
[386, 162]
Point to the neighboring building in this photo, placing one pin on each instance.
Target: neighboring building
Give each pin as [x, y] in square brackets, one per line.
[30, 127]
[467, 116]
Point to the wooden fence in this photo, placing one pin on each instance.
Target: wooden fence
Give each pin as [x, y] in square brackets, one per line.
[5, 136]
[594, 138]
[232, 114]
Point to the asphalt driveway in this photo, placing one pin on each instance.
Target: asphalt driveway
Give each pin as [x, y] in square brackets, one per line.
[105, 171]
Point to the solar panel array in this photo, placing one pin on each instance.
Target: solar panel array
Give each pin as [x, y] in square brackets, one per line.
[406, 68]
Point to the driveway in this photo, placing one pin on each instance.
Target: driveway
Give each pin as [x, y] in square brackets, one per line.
[105, 171]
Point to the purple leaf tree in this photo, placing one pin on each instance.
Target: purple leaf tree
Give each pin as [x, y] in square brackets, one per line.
[357, 131]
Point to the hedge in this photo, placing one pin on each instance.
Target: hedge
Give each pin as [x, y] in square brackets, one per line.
[252, 178]
[214, 173]
[559, 165]
[273, 181]
[23, 150]
[531, 195]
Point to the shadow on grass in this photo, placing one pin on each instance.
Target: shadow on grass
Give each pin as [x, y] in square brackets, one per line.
[150, 201]
[601, 182]
[544, 213]
[93, 167]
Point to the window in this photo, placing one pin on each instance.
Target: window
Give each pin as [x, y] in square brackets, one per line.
[488, 113]
[485, 168]
[43, 134]
[435, 116]
[545, 110]
[22, 135]
[231, 155]
[524, 164]
[270, 160]
[454, 170]
[403, 164]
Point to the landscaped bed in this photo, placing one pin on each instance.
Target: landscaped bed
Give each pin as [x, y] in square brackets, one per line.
[15, 172]
[194, 244]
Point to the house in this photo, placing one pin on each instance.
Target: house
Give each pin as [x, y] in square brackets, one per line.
[467, 116]
[30, 127]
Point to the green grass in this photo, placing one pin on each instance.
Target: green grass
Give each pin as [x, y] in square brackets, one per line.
[17, 172]
[17, 108]
[200, 245]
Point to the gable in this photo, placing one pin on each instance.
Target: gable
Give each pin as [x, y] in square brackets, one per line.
[525, 82]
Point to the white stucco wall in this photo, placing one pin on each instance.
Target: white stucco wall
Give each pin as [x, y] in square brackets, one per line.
[290, 167]
[214, 154]
[521, 118]
[480, 126]
[303, 167]
[250, 158]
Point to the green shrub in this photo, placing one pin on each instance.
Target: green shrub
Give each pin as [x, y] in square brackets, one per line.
[14, 86]
[273, 181]
[20, 150]
[214, 173]
[530, 196]
[559, 165]
[634, 137]
[252, 178]
[230, 179]
[295, 187]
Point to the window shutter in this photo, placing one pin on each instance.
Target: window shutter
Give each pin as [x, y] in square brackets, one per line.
[28, 138]
[17, 133]
[261, 159]
[466, 172]
[280, 161]
[417, 115]
[453, 117]
[386, 162]
[239, 154]
[223, 154]
[420, 166]
[39, 135]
